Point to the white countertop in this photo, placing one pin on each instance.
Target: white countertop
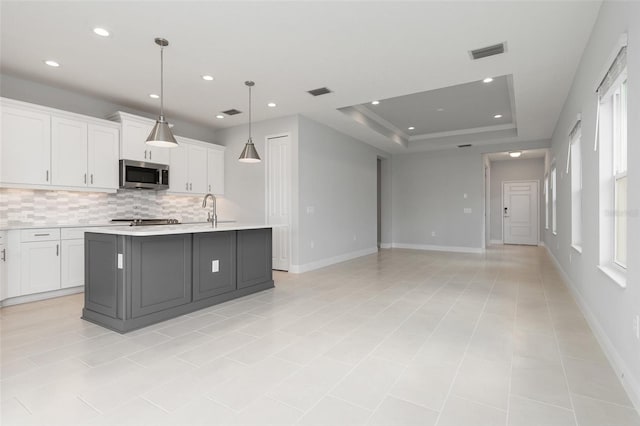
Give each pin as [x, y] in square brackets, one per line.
[92, 225]
[145, 231]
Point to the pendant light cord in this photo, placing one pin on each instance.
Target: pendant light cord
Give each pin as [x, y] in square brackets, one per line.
[162, 82]
[250, 139]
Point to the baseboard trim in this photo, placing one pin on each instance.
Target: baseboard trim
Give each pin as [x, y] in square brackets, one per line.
[452, 249]
[41, 296]
[629, 383]
[299, 269]
[496, 242]
[385, 245]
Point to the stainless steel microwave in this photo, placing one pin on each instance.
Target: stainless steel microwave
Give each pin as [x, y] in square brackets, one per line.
[143, 175]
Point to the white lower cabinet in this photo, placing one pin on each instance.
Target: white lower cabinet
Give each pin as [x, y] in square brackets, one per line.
[40, 260]
[4, 284]
[40, 266]
[72, 263]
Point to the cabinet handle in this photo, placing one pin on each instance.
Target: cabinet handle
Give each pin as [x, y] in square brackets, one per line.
[190, 187]
[57, 249]
[150, 152]
[47, 175]
[186, 186]
[85, 178]
[91, 178]
[41, 235]
[209, 188]
[145, 154]
[4, 255]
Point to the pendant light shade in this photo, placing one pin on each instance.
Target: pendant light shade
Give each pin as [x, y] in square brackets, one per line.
[249, 153]
[161, 133]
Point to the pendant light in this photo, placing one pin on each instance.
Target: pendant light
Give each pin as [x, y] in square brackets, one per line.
[249, 153]
[161, 133]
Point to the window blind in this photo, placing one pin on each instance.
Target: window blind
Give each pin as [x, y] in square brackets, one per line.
[615, 69]
[574, 135]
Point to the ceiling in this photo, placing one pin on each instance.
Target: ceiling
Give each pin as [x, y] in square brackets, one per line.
[362, 51]
[526, 154]
[464, 109]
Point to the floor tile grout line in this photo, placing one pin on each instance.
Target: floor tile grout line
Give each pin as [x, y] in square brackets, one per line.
[555, 337]
[464, 356]
[526, 398]
[425, 342]
[515, 319]
[328, 393]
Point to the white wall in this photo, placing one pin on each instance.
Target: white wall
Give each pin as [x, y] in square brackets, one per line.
[509, 170]
[609, 307]
[245, 184]
[80, 103]
[428, 196]
[338, 179]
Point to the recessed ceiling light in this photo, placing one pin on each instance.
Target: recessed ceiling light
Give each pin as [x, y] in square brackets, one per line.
[515, 154]
[440, 109]
[375, 102]
[271, 105]
[154, 96]
[52, 63]
[207, 77]
[411, 128]
[101, 32]
[219, 116]
[487, 80]
[497, 116]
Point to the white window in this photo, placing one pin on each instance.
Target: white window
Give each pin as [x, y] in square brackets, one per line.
[546, 201]
[612, 146]
[554, 192]
[575, 160]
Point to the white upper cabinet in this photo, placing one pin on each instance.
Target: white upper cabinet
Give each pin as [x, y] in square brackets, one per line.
[197, 169]
[68, 152]
[188, 167]
[215, 170]
[45, 148]
[133, 145]
[102, 162]
[25, 147]
[178, 168]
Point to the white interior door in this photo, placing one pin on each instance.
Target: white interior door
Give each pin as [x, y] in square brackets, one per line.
[278, 169]
[520, 212]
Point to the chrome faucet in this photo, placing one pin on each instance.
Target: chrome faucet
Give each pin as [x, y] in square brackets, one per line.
[211, 216]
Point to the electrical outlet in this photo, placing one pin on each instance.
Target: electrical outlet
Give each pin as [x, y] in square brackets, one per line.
[215, 265]
[467, 210]
[433, 233]
[312, 244]
[311, 209]
[465, 196]
[636, 326]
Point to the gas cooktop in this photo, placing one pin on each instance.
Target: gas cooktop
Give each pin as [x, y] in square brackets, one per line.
[140, 222]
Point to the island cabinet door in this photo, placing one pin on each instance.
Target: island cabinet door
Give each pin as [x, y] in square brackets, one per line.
[100, 274]
[254, 257]
[214, 264]
[160, 273]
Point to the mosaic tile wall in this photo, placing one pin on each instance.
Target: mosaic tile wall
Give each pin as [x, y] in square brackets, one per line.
[20, 207]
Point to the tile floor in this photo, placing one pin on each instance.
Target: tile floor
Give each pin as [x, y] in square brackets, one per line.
[398, 338]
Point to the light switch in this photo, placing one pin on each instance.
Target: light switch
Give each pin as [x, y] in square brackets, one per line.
[120, 261]
[465, 196]
[215, 265]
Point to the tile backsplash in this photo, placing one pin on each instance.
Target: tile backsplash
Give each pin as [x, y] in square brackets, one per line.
[24, 207]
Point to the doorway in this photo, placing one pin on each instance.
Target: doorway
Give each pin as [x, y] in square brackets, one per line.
[278, 197]
[379, 207]
[520, 212]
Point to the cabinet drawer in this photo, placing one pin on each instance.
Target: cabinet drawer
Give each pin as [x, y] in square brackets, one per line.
[43, 234]
[72, 233]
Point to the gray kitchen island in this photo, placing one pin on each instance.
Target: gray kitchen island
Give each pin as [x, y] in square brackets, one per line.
[138, 276]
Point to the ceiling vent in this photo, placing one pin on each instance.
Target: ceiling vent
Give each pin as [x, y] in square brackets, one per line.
[464, 146]
[232, 111]
[484, 52]
[320, 91]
